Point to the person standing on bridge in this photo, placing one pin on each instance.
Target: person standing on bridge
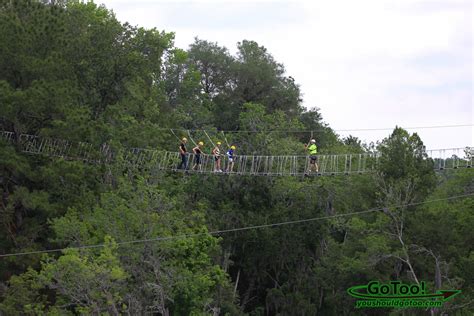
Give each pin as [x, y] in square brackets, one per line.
[197, 155]
[313, 159]
[216, 153]
[182, 151]
[230, 155]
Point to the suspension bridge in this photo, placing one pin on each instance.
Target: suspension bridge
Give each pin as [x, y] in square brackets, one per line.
[255, 165]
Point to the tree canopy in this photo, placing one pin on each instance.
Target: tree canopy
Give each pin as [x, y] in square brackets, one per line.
[71, 70]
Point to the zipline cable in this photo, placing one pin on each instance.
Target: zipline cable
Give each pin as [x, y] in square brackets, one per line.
[225, 139]
[218, 232]
[189, 134]
[209, 138]
[310, 138]
[175, 135]
[325, 129]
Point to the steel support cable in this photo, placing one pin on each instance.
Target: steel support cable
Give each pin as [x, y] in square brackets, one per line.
[179, 139]
[325, 129]
[311, 137]
[189, 134]
[236, 229]
[34, 144]
[225, 139]
[209, 138]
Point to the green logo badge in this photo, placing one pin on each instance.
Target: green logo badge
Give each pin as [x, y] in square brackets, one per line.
[397, 294]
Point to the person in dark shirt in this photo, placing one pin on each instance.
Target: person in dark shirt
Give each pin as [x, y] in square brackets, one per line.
[182, 151]
[197, 155]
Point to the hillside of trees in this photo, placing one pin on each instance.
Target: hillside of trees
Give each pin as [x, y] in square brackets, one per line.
[71, 70]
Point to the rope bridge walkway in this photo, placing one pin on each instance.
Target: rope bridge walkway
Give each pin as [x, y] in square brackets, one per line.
[452, 158]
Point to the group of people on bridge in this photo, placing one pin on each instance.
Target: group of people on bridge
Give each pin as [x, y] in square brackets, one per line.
[197, 152]
[311, 148]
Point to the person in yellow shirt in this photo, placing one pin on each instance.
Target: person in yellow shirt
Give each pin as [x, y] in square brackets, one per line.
[313, 159]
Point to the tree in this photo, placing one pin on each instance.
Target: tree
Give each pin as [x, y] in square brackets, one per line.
[261, 79]
[215, 66]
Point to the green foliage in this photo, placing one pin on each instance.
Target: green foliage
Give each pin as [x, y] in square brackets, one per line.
[215, 66]
[25, 297]
[70, 69]
[91, 283]
[404, 158]
[260, 79]
[445, 236]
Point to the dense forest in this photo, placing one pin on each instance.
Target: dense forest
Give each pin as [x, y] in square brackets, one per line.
[71, 70]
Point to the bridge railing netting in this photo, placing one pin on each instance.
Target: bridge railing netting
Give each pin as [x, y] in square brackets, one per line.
[243, 164]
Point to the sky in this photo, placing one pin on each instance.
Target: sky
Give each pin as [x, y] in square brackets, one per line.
[365, 64]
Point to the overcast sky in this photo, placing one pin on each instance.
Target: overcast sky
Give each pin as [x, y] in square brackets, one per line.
[364, 63]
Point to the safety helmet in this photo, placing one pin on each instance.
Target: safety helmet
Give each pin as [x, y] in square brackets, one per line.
[313, 141]
[184, 139]
[232, 147]
[201, 144]
[219, 143]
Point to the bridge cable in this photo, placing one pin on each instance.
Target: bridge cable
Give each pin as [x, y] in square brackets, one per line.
[225, 138]
[218, 232]
[209, 138]
[189, 134]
